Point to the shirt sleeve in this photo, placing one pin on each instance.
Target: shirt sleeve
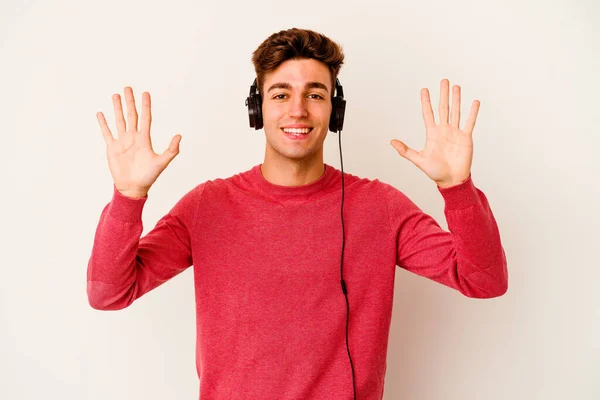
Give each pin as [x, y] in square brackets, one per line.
[122, 267]
[469, 258]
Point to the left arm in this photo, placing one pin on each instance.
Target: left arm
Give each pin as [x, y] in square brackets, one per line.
[470, 258]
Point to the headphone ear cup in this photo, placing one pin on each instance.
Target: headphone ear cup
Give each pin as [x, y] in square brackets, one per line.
[250, 105]
[338, 110]
[333, 117]
[254, 104]
[258, 109]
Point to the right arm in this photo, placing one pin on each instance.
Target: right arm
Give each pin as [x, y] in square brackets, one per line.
[122, 266]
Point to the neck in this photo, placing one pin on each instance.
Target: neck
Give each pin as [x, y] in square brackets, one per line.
[291, 172]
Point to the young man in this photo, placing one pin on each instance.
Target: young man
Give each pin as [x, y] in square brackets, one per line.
[272, 319]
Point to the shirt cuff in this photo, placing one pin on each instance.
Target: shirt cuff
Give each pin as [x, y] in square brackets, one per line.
[126, 208]
[460, 196]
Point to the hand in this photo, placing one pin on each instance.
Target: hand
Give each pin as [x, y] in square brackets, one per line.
[133, 164]
[448, 151]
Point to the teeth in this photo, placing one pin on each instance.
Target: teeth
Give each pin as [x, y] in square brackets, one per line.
[294, 130]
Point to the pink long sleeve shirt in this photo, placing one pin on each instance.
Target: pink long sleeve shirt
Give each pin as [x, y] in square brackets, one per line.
[271, 315]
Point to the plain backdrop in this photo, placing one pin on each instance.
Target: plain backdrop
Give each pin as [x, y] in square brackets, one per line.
[533, 65]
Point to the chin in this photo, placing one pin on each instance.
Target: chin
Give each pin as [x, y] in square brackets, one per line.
[298, 155]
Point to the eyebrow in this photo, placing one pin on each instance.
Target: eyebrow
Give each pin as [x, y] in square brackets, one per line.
[309, 85]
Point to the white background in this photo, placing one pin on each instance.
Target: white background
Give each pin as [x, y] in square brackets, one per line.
[534, 66]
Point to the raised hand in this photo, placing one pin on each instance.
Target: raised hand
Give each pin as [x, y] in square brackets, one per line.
[448, 151]
[133, 164]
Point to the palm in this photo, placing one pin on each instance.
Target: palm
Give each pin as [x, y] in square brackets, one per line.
[132, 161]
[448, 152]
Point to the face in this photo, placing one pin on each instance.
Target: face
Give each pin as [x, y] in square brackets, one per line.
[298, 93]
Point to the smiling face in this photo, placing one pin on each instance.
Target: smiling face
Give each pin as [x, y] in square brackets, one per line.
[297, 93]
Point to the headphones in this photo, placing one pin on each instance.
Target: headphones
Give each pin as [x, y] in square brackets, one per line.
[338, 108]
[336, 123]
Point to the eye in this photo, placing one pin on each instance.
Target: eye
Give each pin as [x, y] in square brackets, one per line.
[277, 97]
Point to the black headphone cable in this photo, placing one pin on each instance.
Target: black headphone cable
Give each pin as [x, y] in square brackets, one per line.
[344, 289]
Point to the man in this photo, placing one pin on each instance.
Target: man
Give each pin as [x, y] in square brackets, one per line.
[272, 319]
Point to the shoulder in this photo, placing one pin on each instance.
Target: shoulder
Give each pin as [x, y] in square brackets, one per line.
[369, 185]
[218, 187]
[385, 192]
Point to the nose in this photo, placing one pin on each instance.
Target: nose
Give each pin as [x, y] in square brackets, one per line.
[297, 107]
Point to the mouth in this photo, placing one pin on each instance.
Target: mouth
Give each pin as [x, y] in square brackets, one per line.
[296, 134]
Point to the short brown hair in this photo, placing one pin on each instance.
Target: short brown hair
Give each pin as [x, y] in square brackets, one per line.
[293, 44]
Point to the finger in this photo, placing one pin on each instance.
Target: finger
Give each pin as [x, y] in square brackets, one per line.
[120, 120]
[132, 116]
[470, 124]
[444, 101]
[426, 109]
[146, 120]
[108, 137]
[405, 151]
[169, 154]
[455, 118]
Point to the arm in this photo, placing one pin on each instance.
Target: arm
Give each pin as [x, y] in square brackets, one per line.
[123, 267]
[469, 258]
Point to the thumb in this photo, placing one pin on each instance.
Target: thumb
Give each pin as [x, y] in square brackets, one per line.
[405, 151]
[169, 154]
